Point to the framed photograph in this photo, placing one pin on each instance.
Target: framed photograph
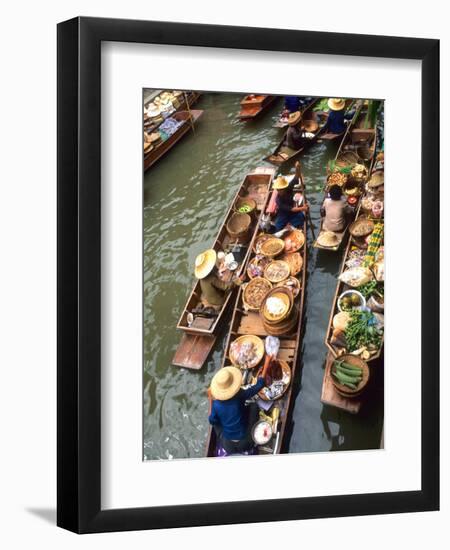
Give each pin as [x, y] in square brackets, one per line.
[248, 259]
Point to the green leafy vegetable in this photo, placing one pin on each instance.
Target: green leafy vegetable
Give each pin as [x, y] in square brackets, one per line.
[362, 330]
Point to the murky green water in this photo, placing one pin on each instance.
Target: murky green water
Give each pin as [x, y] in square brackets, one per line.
[186, 195]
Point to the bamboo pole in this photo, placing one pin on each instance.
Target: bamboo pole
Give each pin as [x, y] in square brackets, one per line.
[298, 173]
[189, 112]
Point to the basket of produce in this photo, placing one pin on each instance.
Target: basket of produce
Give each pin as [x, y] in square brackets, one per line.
[295, 262]
[364, 152]
[260, 239]
[350, 375]
[356, 276]
[255, 292]
[363, 334]
[292, 283]
[351, 188]
[245, 205]
[277, 271]
[341, 320]
[359, 173]
[277, 305]
[361, 227]
[272, 247]
[294, 240]
[336, 178]
[278, 378]
[257, 266]
[350, 300]
[246, 351]
[238, 226]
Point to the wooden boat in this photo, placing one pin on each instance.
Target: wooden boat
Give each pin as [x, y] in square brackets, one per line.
[253, 105]
[200, 335]
[249, 322]
[350, 137]
[283, 154]
[189, 118]
[185, 102]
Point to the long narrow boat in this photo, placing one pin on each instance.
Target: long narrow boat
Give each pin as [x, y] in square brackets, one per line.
[201, 333]
[283, 154]
[188, 119]
[185, 102]
[249, 323]
[253, 105]
[355, 139]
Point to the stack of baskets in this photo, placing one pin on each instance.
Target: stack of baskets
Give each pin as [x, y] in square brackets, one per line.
[283, 321]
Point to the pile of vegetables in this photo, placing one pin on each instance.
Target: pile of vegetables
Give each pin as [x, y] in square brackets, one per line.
[370, 288]
[244, 209]
[362, 331]
[346, 374]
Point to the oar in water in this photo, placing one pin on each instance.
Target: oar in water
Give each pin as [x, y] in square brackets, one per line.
[298, 174]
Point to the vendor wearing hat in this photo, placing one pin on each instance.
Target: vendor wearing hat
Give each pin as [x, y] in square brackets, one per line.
[214, 289]
[288, 212]
[294, 135]
[336, 117]
[231, 418]
[335, 210]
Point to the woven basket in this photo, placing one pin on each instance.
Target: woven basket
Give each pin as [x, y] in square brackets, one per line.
[238, 226]
[344, 390]
[245, 201]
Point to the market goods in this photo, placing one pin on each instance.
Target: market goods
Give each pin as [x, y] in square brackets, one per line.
[294, 261]
[292, 283]
[356, 276]
[359, 172]
[328, 239]
[278, 378]
[247, 351]
[361, 227]
[349, 375]
[294, 240]
[368, 289]
[362, 331]
[350, 300]
[255, 292]
[259, 242]
[257, 265]
[277, 271]
[341, 319]
[275, 306]
[262, 432]
[272, 247]
[336, 178]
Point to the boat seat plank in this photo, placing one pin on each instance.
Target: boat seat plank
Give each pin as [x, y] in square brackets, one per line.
[193, 350]
[331, 397]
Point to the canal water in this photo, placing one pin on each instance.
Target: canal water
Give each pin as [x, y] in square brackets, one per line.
[186, 195]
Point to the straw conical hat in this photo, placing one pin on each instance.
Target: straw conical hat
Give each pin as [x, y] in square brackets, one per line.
[280, 183]
[336, 104]
[226, 383]
[294, 118]
[204, 263]
[327, 238]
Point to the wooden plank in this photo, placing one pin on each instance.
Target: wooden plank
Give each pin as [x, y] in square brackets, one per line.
[334, 399]
[193, 350]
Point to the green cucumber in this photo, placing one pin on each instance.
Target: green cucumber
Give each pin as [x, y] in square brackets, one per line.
[350, 372]
[347, 366]
[344, 378]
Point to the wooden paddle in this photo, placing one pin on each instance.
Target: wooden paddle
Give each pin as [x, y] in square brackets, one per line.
[298, 174]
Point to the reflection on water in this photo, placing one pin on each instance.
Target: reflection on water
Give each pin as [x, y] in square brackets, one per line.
[186, 195]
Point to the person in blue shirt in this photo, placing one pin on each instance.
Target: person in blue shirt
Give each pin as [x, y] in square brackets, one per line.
[336, 117]
[231, 418]
[292, 103]
[288, 211]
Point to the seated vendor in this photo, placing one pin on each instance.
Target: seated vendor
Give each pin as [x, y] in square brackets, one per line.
[231, 418]
[294, 136]
[214, 289]
[288, 211]
[335, 210]
[336, 117]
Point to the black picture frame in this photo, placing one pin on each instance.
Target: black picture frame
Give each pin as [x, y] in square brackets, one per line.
[79, 280]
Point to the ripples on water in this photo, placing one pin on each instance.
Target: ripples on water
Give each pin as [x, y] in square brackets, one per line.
[186, 195]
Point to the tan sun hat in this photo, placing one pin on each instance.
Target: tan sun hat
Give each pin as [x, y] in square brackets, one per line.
[280, 183]
[328, 238]
[294, 118]
[336, 104]
[226, 383]
[204, 263]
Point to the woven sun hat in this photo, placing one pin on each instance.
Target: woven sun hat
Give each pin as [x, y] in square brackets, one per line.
[376, 180]
[336, 104]
[294, 118]
[204, 263]
[328, 238]
[226, 383]
[280, 183]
